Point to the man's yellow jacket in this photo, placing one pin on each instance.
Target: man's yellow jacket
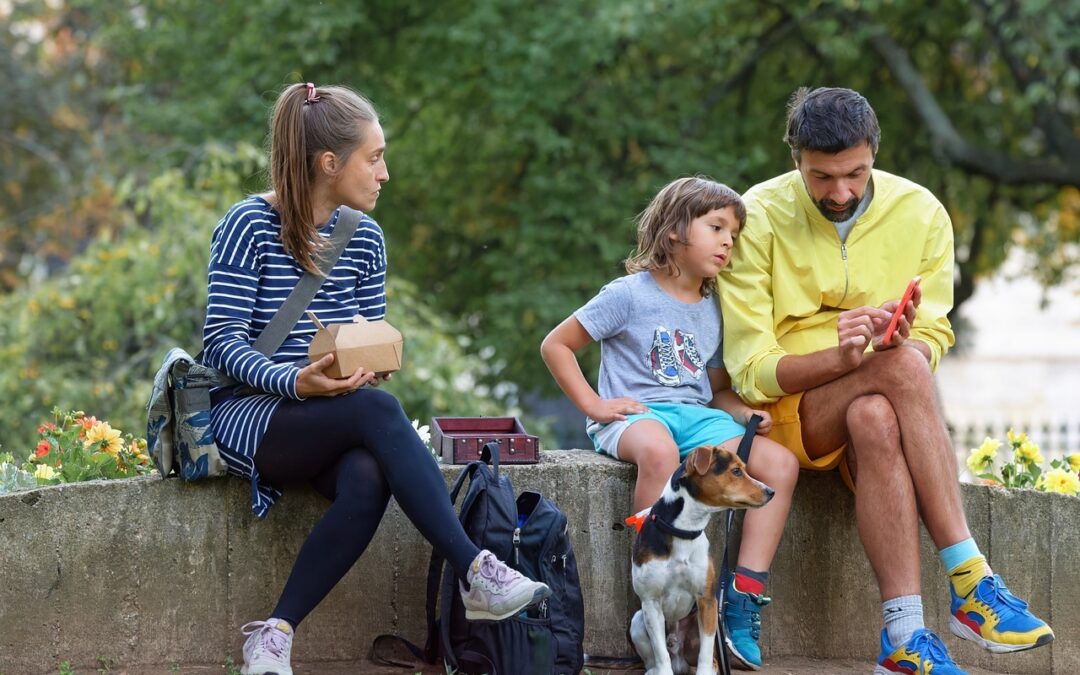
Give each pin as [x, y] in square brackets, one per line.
[790, 275]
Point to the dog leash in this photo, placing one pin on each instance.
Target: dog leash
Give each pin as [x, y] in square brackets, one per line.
[725, 570]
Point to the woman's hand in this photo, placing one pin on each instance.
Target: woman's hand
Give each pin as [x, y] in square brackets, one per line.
[615, 409]
[311, 381]
[385, 377]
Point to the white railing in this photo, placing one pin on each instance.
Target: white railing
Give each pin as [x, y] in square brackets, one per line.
[1055, 437]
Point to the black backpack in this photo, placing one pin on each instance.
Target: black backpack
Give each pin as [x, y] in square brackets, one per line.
[531, 535]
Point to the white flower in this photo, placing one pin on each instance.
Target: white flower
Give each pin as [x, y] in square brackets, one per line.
[44, 472]
[424, 432]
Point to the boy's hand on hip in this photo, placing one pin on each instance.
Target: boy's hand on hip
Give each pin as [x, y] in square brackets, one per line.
[312, 381]
[764, 426]
[615, 409]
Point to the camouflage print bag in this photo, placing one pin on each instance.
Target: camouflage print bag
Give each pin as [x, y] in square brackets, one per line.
[178, 432]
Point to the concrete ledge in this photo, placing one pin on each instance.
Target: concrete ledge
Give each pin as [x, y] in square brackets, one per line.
[145, 571]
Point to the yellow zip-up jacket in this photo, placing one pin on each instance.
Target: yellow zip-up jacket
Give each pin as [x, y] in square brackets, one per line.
[790, 276]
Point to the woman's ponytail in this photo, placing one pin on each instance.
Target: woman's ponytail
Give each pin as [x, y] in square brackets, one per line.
[305, 123]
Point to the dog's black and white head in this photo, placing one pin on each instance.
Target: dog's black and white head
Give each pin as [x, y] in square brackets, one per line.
[711, 479]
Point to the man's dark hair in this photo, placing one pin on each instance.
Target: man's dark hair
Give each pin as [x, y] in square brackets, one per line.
[831, 120]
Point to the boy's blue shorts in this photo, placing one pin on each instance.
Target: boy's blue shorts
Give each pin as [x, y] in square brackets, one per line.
[690, 426]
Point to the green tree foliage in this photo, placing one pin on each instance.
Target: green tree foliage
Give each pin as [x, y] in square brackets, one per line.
[525, 136]
[57, 168]
[92, 338]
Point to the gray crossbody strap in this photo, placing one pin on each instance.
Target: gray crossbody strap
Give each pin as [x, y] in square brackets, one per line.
[301, 296]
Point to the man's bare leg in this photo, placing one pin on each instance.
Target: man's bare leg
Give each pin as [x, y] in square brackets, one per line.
[902, 377]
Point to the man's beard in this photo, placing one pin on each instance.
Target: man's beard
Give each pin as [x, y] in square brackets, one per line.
[850, 207]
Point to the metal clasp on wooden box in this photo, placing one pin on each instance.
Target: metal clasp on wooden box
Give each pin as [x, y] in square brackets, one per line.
[459, 440]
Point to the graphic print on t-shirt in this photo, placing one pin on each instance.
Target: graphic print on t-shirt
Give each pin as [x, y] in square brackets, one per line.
[672, 351]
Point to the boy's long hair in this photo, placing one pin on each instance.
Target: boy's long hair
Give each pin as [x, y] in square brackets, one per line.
[301, 130]
[671, 211]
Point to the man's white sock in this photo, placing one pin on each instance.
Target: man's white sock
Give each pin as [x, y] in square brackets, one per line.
[903, 616]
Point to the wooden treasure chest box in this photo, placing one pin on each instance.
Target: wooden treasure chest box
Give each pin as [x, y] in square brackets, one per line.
[459, 440]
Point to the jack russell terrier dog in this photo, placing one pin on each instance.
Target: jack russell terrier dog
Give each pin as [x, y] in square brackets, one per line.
[672, 570]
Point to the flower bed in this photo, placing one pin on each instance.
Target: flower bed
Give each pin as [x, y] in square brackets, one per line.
[1025, 468]
[75, 447]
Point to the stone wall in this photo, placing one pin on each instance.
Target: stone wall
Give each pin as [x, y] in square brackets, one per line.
[145, 571]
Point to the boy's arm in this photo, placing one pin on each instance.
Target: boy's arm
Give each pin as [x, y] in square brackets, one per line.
[558, 350]
[725, 398]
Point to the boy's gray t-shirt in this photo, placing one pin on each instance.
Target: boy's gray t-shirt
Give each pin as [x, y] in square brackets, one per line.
[652, 346]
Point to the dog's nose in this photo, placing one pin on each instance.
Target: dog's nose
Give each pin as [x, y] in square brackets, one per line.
[769, 492]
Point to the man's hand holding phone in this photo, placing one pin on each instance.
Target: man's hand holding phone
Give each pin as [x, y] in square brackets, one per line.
[903, 316]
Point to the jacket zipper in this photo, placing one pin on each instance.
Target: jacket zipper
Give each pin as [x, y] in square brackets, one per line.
[843, 254]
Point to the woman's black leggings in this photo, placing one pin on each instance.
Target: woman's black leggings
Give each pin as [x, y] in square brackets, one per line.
[357, 450]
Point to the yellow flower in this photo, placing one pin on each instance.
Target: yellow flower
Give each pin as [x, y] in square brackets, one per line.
[137, 452]
[1015, 438]
[109, 437]
[1028, 453]
[1062, 481]
[44, 472]
[1074, 461]
[983, 456]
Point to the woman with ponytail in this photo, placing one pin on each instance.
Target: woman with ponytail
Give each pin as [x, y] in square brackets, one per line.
[348, 439]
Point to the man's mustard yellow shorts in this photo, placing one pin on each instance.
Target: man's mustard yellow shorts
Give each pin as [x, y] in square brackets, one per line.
[787, 431]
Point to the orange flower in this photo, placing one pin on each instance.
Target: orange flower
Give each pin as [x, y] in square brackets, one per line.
[48, 426]
[86, 423]
[42, 449]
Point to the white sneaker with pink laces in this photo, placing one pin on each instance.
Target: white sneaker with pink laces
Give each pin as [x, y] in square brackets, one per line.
[267, 649]
[497, 591]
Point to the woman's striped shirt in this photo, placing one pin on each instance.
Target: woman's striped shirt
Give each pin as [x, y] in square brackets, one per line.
[250, 275]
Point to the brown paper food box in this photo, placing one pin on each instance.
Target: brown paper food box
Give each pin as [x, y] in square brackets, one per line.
[372, 345]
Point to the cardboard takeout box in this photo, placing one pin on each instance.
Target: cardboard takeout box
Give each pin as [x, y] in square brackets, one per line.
[371, 345]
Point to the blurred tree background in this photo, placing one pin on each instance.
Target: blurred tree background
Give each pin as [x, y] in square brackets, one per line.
[523, 138]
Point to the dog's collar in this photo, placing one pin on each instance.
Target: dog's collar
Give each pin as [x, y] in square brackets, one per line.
[668, 528]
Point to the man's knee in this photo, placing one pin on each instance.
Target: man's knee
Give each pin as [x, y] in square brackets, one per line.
[906, 368]
[872, 416]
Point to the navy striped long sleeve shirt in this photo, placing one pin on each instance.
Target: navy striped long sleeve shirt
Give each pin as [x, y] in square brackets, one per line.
[250, 275]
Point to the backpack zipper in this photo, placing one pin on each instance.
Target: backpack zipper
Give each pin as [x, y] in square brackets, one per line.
[517, 544]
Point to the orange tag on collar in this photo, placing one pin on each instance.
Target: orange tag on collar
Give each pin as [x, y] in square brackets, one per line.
[636, 521]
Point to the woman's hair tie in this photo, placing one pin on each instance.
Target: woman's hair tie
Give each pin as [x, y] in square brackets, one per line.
[312, 94]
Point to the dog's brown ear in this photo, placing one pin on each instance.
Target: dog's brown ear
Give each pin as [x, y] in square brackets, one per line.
[700, 460]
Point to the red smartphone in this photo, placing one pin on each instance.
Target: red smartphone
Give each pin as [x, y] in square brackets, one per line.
[895, 321]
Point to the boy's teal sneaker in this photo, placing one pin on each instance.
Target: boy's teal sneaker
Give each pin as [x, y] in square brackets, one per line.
[997, 620]
[742, 621]
[923, 654]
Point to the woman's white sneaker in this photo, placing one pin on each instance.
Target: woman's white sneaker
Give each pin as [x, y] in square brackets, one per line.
[497, 591]
[267, 649]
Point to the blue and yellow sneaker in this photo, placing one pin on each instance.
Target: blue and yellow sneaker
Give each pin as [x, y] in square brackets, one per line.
[742, 619]
[923, 654]
[996, 619]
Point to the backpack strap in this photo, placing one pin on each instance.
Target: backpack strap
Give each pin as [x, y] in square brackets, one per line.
[429, 653]
[489, 454]
[439, 631]
[725, 570]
